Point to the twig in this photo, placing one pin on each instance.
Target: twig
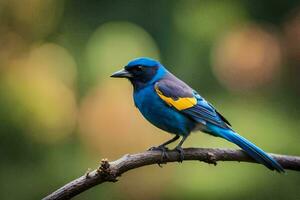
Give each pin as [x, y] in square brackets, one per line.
[110, 171]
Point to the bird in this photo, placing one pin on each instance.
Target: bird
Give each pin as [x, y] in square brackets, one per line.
[173, 106]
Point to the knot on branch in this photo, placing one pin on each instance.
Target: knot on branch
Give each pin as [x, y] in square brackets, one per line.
[87, 173]
[106, 172]
[211, 158]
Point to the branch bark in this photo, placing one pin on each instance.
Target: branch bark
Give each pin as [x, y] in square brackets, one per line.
[110, 171]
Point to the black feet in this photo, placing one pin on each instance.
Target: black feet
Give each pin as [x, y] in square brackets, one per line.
[163, 149]
[164, 154]
[181, 154]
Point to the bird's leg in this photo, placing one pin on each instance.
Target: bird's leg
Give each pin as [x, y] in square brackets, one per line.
[163, 147]
[164, 144]
[179, 148]
[170, 141]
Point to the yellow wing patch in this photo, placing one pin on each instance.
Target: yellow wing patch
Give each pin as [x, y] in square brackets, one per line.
[180, 104]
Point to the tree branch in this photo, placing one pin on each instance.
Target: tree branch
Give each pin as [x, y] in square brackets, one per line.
[110, 171]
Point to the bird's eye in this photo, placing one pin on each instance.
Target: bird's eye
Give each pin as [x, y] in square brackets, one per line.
[139, 68]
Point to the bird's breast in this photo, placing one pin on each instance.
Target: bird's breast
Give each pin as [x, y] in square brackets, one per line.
[160, 114]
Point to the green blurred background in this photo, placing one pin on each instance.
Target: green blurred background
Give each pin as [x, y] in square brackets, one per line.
[60, 113]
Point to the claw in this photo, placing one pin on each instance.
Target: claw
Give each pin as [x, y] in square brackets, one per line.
[164, 154]
[181, 154]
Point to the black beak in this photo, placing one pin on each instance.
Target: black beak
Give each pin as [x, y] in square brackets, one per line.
[121, 74]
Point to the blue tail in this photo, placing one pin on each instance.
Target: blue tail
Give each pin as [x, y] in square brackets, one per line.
[255, 152]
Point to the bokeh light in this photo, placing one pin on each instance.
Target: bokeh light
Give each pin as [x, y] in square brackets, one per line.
[13, 45]
[205, 20]
[54, 60]
[29, 16]
[247, 58]
[34, 85]
[126, 130]
[113, 44]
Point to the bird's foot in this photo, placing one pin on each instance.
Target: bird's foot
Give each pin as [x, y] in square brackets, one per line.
[181, 154]
[164, 154]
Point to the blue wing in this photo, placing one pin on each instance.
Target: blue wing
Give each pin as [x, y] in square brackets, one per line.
[187, 101]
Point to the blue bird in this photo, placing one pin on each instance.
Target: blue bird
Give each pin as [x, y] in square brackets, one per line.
[173, 106]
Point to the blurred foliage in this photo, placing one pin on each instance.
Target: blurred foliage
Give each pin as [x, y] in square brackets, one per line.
[60, 112]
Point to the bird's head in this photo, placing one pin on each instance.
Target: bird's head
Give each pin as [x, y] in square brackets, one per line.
[141, 72]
